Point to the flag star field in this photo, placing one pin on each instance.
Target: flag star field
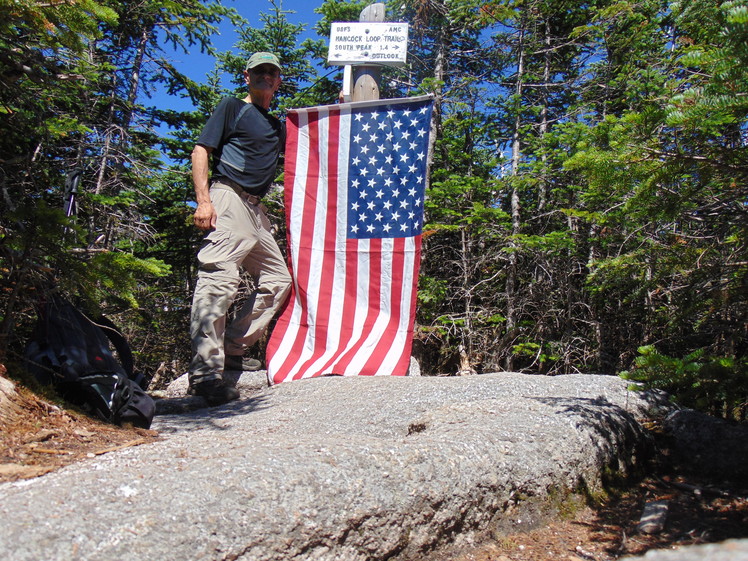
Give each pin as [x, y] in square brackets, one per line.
[387, 171]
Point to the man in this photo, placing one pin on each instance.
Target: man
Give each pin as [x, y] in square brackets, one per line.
[244, 141]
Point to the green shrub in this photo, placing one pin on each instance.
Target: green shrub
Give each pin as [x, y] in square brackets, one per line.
[714, 385]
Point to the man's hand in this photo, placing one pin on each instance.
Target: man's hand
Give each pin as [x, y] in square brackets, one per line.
[205, 216]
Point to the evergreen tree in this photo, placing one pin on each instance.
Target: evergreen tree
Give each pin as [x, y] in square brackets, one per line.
[73, 111]
[668, 262]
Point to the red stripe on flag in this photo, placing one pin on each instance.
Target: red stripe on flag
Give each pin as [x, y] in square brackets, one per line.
[289, 173]
[324, 269]
[345, 305]
[302, 267]
[374, 299]
[403, 364]
[395, 268]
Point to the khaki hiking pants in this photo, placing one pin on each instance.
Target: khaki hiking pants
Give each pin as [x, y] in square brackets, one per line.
[242, 238]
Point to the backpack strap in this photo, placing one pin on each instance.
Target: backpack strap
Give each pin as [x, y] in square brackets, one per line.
[123, 351]
[247, 107]
[118, 340]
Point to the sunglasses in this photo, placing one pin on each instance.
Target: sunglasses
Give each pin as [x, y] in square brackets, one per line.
[265, 69]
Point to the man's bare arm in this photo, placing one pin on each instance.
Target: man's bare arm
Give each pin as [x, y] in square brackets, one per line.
[205, 215]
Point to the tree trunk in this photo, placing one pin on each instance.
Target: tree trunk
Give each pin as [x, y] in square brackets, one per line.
[466, 346]
[137, 66]
[124, 126]
[511, 279]
[543, 184]
[436, 114]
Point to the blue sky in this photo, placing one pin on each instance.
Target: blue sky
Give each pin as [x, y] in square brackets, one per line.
[196, 65]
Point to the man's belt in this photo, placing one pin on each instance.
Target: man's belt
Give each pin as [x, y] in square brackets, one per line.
[223, 182]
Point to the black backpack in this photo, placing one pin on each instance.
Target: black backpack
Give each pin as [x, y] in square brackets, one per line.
[71, 352]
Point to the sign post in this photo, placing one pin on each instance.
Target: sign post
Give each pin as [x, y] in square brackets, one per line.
[362, 48]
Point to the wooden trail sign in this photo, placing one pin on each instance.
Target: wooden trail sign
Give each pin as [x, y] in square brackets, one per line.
[366, 46]
[381, 43]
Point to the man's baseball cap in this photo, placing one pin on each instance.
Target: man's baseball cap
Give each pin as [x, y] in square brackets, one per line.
[262, 58]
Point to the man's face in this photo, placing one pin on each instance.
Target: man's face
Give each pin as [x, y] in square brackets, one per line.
[264, 77]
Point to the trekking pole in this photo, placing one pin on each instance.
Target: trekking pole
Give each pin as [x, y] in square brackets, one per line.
[70, 206]
[72, 181]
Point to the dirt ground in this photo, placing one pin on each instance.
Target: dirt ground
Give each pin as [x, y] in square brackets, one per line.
[697, 513]
[37, 437]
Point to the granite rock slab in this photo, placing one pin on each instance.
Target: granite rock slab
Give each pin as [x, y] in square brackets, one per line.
[335, 469]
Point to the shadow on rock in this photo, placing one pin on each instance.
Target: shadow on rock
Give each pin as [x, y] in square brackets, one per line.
[188, 413]
[623, 444]
[707, 446]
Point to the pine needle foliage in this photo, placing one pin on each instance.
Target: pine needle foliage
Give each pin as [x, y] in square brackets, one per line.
[715, 385]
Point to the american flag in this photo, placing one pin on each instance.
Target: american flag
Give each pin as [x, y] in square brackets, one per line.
[355, 176]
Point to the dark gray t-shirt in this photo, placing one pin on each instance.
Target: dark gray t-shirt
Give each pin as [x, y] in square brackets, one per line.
[246, 142]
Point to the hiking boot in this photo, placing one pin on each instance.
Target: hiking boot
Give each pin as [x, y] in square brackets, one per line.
[215, 392]
[235, 362]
